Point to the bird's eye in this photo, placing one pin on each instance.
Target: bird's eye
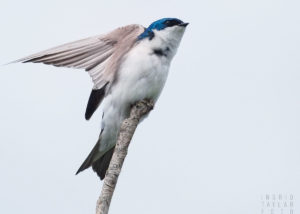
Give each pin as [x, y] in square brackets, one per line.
[167, 23]
[172, 22]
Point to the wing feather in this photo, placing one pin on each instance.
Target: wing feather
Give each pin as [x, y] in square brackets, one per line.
[99, 55]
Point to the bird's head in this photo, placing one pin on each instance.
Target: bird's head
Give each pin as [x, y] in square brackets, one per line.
[169, 28]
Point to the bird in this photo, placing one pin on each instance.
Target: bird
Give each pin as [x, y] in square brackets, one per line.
[128, 64]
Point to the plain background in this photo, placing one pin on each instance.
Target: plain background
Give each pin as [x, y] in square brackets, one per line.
[224, 132]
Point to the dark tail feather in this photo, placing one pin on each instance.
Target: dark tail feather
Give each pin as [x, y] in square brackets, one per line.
[91, 157]
[101, 165]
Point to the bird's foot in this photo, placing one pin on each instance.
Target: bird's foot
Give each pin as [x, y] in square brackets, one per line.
[148, 102]
[143, 106]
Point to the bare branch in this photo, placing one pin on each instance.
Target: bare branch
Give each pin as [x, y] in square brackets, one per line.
[126, 132]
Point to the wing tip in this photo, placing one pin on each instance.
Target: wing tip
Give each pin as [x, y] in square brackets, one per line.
[94, 101]
[15, 61]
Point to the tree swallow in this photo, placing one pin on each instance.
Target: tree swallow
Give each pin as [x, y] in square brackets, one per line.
[126, 65]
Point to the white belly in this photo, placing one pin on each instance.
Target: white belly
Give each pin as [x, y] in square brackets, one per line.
[142, 75]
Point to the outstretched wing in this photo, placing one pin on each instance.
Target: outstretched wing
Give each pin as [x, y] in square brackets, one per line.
[100, 56]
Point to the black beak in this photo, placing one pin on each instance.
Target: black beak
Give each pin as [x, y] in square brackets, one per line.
[184, 24]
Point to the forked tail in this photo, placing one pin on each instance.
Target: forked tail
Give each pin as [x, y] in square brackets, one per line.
[99, 163]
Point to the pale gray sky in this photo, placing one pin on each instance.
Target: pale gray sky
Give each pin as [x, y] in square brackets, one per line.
[224, 132]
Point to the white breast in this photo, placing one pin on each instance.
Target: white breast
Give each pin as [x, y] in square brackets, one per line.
[142, 75]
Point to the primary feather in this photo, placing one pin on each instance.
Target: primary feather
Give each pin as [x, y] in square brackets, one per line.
[99, 55]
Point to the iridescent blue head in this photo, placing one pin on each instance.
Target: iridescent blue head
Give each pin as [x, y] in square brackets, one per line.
[160, 25]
